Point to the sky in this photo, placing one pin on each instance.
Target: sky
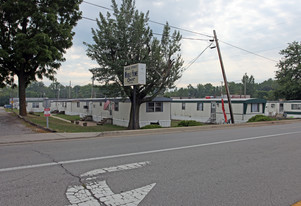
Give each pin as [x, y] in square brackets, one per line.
[250, 33]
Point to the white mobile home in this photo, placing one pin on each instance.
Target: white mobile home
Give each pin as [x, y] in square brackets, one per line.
[32, 104]
[292, 109]
[210, 110]
[117, 109]
[274, 108]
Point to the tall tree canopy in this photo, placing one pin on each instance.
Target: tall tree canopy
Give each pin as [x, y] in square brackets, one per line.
[289, 73]
[124, 38]
[34, 35]
[249, 85]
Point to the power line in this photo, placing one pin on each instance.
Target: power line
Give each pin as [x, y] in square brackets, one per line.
[187, 38]
[155, 22]
[194, 60]
[103, 7]
[186, 30]
[175, 27]
[248, 51]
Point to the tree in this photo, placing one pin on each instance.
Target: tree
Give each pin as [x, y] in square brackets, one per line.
[249, 84]
[289, 73]
[36, 89]
[124, 38]
[34, 35]
[266, 89]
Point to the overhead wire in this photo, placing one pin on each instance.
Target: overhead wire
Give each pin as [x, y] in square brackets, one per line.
[196, 58]
[155, 22]
[186, 30]
[248, 51]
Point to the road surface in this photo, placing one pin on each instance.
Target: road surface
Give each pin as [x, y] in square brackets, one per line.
[230, 166]
[12, 125]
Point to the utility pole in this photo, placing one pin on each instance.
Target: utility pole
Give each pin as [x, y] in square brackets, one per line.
[224, 76]
[245, 85]
[92, 88]
[69, 96]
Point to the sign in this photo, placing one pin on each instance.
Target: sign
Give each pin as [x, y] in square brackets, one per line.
[47, 112]
[134, 75]
[46, 103]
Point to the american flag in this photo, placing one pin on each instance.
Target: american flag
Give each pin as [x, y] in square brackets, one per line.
[106, 105]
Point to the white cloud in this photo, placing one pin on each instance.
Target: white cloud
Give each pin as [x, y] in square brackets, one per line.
[261, 26]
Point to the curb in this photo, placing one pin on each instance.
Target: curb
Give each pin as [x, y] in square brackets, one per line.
[36, 125]
[91, 135]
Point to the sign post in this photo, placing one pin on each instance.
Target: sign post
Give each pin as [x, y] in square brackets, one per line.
[47, 114]
[46, 105]
[134, 75]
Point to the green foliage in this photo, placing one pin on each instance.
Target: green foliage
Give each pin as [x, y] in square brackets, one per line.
[260, 118]
[289, 73]
[188, 123]
[123, 38]
[265, 90]
[33, 40]
[151, 126]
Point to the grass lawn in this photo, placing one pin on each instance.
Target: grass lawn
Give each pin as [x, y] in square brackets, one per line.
[68, 117]
[62, 126]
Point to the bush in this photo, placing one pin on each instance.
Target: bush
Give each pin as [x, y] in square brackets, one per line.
[260, 118]
[152, 126]
[188, 123]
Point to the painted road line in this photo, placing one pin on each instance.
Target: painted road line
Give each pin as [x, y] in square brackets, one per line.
[97, 192]
[142, 153]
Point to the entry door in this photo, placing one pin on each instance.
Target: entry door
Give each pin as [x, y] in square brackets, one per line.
[213, 112]
[281, 108]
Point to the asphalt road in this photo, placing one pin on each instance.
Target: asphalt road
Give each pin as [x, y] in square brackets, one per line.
[12, 125]
[233, 166]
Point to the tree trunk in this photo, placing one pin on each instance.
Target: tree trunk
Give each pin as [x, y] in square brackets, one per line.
[137, 109]
[22, 95]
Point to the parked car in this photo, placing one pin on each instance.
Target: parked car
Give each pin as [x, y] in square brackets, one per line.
[7, 106]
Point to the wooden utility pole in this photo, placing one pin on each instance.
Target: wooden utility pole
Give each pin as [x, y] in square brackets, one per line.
[224, 76]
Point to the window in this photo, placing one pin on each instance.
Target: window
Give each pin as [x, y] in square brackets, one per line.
[116, 106]
[296, 106]
[200, 106]
[100, 104]
[158, 107]
[35, 105]
[254, 107]
[154, 107]
[183, 105]
[78, 104]
[272, 105]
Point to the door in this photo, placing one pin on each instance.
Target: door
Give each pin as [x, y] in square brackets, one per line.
[213, 112]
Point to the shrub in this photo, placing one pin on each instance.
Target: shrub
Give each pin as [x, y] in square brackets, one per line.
[260, 118]
[152, 126]
[188, 123]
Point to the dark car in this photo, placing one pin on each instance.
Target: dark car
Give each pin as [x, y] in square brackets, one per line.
[7, 106]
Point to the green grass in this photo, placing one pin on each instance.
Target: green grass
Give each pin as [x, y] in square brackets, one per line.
[260, 118]
[152, 126]
[174, 123]
[189, 123]
[62, 126]
[68, 117]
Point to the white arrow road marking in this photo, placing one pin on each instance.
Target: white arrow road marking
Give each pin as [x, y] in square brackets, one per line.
[116, 168]
[98, 192]
[79, 195]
